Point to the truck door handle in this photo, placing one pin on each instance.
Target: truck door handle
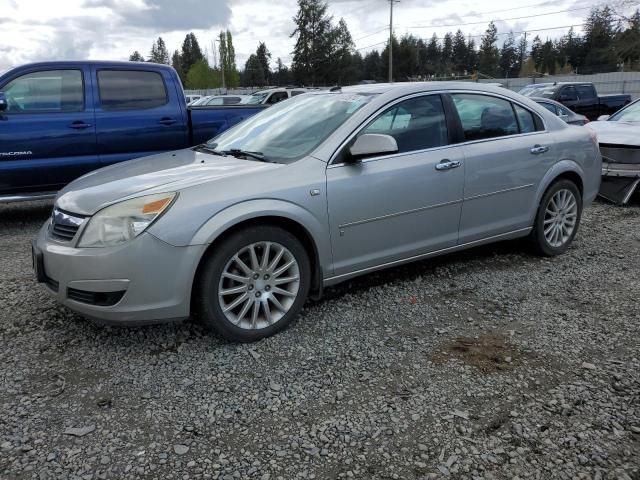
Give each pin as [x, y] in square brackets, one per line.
[167, 121]
[447, 164]
[79, 125]
[538, 149]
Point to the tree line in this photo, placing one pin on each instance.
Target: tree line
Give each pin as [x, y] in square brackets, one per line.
[324, 54]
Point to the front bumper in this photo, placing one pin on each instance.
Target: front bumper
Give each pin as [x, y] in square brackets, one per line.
[143, 281]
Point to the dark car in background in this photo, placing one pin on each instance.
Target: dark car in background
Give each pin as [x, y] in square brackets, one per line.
[572, 118]
[580, 97]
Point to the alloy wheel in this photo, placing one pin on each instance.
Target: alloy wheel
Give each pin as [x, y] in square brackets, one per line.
[259, 285]
[560, 217]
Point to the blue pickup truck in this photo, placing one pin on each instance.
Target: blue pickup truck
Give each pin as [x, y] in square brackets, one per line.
[60, 120]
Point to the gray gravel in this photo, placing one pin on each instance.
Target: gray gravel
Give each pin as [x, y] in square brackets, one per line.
[490, 364]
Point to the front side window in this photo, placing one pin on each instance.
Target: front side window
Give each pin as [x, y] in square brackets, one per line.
[46, 92]
[286, 132]
[215, 101]
[131, 90]
[277, 97]
[416, 124]
[483, 116]
[568, 94]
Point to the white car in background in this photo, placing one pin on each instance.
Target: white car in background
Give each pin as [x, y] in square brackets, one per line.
[191, 98]
[272, 96]
[220, 100]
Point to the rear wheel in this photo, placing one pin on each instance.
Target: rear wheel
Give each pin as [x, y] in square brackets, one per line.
[253, 284]
[557, 219]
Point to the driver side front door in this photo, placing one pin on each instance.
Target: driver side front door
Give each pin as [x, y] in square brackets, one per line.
[393, 207]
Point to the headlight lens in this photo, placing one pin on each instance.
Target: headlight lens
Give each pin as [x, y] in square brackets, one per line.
[124, 221]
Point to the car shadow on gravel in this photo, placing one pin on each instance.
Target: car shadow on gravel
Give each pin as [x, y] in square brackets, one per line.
[503, 252]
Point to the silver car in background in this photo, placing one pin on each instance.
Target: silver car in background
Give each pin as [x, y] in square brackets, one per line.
[311, 192]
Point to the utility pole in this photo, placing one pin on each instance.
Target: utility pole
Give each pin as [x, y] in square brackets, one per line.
[391, 2]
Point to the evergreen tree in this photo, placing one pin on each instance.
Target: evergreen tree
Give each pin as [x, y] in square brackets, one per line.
[472, 56]
[629, 42]
[227, 52]
[509, 57]
[600, 32]
[191, 53]
[522, 52]
[342, 68]
[282, 75]
[433, 56]
[253, 72]
[489, 55]
[460, 54]
[446, 55]
[536, 52]
[264, 57]
[176, 63]
[159, 52]
[136, 57]
[372, 66]
[313, 41]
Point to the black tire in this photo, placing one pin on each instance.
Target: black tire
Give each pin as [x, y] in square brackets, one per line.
[206, 303]
[537, 237]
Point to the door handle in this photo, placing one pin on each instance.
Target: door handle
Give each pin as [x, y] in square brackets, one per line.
[79, 125]
[447, 164]
[167, 121]
[538, 149]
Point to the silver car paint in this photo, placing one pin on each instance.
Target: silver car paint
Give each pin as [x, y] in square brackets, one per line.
[361, 217]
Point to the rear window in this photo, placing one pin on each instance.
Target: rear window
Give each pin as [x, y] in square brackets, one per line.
[131, 90]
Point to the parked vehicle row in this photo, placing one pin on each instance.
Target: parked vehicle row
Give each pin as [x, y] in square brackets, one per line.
[64, 119]
[580, 97]
[241, 230]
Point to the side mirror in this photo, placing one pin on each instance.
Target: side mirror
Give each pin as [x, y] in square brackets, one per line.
[372, 144]
[601, 118]
[3, 102]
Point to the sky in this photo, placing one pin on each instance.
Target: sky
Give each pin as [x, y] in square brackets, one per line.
[38, 30]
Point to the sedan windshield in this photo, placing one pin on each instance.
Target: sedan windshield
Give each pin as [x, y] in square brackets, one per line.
[630, 114]
[256, 98]
[290, 130]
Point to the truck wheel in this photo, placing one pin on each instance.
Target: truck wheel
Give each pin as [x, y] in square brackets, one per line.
[557, 219]
[253, 284]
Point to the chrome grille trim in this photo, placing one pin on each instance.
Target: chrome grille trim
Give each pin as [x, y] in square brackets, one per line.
[64, 225]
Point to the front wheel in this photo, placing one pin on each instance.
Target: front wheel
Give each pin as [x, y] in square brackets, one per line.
[558, 217]
[253, 284]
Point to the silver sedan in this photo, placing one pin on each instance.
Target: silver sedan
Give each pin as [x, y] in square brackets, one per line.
[240, 231]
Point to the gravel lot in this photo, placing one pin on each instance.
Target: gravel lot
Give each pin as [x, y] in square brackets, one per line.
[491, 364]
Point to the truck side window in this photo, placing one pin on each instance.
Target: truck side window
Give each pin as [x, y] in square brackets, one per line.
[585, 92]
[568, 94]
[46, 92]
[131, 90]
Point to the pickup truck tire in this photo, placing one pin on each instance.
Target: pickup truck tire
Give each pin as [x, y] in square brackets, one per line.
[557, 219]
[252, 284]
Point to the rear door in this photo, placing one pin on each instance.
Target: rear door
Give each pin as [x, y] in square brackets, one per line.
[47, 133]
[507, 154]
[138, 113]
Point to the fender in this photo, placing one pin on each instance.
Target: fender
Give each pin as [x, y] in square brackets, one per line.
[563, 166]
[252, 209]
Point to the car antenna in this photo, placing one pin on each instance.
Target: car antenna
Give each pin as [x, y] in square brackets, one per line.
[337, 88]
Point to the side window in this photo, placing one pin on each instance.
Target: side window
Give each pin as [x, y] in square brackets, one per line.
[550, 106]
[277, 97]
[585, 92]
[131, 90]
[485, 117]
[231, 100]
[525, 119]
[568, 94]
[297, 92]
[46, 92]
[416, 124]
[216, 101]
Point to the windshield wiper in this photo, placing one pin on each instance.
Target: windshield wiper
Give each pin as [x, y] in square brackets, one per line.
[236, 152]
[203, 147]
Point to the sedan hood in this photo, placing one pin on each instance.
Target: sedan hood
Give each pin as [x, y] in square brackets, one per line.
[617, 133]
[167, 172]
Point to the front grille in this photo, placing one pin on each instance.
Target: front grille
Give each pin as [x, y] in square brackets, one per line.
[64, 225]
[101, 299]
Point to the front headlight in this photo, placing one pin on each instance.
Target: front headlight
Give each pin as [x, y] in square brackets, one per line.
[124, 221]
